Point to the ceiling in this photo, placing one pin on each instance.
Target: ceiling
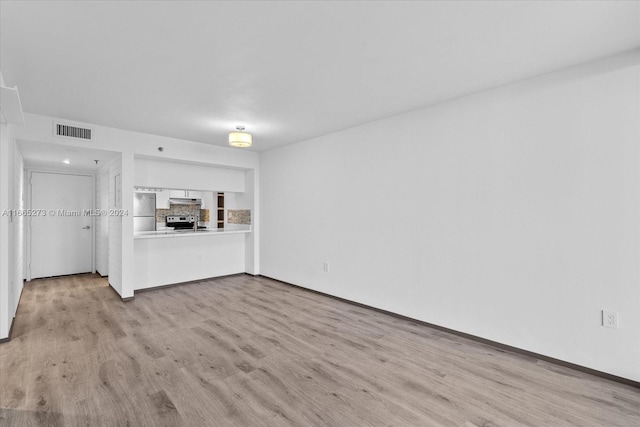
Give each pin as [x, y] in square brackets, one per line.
[288, 71]
[54, 156]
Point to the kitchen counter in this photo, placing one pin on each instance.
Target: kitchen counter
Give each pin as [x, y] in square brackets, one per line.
[167, 257]
[160, 234]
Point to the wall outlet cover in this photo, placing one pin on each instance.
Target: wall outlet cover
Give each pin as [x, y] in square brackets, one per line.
[609, 319]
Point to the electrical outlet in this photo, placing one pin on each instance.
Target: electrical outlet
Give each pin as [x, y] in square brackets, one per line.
[325, 267]
[609, 319]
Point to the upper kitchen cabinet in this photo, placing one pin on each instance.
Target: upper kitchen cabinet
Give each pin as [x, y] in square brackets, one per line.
[162, 199]
[208, 200]
[185, 194]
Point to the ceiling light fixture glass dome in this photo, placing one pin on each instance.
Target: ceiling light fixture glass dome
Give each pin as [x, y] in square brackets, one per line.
[239, 138]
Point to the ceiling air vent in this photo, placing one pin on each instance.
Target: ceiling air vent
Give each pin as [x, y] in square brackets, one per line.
[68, 131]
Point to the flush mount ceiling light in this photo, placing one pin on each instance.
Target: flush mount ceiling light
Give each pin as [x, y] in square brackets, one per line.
[239, 138]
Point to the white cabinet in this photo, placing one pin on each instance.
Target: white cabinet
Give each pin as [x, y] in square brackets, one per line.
[185, 194]
[162, 199]
[207, 200]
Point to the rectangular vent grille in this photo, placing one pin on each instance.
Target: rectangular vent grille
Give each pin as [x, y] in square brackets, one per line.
[72, 131]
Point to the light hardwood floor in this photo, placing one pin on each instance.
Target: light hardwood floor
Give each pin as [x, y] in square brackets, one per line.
[256, 352]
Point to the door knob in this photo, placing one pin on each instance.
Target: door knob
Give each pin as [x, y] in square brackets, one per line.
[86, 227]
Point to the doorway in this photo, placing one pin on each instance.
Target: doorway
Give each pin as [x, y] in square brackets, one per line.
[61, 225]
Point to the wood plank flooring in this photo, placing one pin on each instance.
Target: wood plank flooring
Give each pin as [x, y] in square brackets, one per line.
[245, 351]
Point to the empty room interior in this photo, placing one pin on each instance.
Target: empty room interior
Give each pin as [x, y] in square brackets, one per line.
[320, 213]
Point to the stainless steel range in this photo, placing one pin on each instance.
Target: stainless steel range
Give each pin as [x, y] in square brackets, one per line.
[182, 222]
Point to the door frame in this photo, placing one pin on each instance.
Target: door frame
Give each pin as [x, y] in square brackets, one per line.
[27, 235]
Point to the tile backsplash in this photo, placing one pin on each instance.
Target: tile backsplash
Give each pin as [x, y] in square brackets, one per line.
[180, 210]
[239, 216]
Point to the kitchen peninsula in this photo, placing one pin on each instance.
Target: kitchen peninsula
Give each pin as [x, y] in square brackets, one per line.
[189, 243]
[229, 229]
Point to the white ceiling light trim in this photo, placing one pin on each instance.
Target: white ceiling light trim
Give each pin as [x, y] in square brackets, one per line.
[239, 138]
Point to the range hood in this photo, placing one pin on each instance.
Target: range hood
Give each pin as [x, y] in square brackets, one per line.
[183, 201]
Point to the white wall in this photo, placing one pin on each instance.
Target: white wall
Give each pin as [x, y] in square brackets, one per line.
[102, 222]
[126, 224]
[512, 214]
[169, 174]
[6, 234]
[114, 168]
[18, 230]
[39, 128]
[11, 227]
[250, 200]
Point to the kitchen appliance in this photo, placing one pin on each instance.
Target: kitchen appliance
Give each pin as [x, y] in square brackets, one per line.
[144, 212]
[184, 202]
[182, 222]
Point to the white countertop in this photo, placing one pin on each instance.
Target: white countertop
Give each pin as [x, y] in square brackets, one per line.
[190, 233]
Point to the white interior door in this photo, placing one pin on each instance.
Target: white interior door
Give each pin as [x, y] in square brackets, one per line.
[61, 240]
